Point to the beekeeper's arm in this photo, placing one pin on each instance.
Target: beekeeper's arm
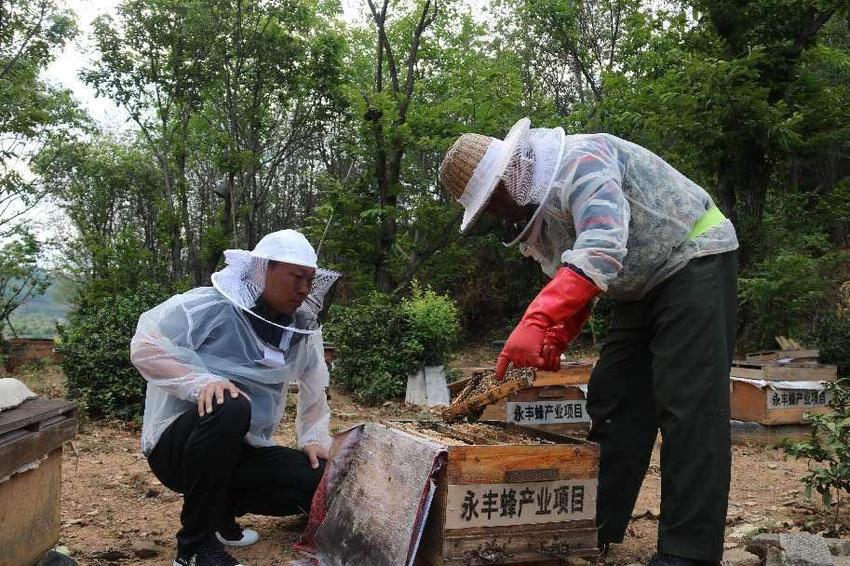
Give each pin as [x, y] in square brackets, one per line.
[164, 351]
[591, 190]
[313, 413]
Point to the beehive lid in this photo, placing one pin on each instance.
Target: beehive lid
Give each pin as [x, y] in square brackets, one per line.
[32, 430]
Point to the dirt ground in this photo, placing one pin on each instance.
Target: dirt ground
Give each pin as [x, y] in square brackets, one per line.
[114, 511]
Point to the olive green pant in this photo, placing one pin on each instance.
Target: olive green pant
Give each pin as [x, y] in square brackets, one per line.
[665, 366]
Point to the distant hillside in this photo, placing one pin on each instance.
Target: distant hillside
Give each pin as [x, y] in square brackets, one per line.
[37, 318]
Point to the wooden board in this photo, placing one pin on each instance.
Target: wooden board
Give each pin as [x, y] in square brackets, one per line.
[522, 546]
[770, 355]
[783, 372]
[29, 514]
[492, 464]
[456, 387]
[572, 373]
[33, 412]
[476, 402]
[32, 430]
[750, 403]
[744, 432]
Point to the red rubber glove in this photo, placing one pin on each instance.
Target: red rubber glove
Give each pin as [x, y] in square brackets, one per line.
[561, 299]
[558, 337]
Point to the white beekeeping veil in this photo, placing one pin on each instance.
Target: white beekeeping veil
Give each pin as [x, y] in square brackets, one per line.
[244, 276]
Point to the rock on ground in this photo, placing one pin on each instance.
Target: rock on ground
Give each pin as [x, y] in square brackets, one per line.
[759, 544]
[838, 546]
[739, 557]
[803, 549]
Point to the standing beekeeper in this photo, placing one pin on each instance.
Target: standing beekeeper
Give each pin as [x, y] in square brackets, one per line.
[603, 215]
[218, 361]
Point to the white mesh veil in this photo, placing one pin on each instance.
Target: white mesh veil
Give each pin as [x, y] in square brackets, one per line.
[244, 276]
[546, 148]
[530, 173]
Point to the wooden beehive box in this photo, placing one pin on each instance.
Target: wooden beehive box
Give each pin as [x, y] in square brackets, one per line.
[558, 409]
[774, 405]
[794, 355]
[509, 495]
[555, 402]
[31, 436]
[772, 370]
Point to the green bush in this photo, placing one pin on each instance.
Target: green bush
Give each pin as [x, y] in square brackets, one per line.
[381, 340]
[782, 296]
[828, 449]
[433, 324]
[832, 336]
[374, 350]
[95, 348]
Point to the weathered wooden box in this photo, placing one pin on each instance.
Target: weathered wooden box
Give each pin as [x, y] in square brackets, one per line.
[773, 405]
[558, 409]
[509, 495]
[772, 370]
[554, 401]
[31, 438]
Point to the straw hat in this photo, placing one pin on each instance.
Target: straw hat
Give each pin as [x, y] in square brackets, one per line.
[473, 166]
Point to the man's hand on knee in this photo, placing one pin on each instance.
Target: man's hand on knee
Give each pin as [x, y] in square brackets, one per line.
[314, 452]
[216, 390]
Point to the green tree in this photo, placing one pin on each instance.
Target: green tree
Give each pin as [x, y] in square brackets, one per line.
[20, 276]
[110, 189]
[230, 98]
[150, 63]
[32, 32]
[32, 113]
[467, 84]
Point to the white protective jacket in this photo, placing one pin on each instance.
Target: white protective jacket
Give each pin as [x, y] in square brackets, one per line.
[200, 337]
[622, 215]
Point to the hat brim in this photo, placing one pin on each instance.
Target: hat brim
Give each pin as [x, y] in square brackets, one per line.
[481, 186]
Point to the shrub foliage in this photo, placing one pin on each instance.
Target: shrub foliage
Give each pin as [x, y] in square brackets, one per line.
[95, 348]
[381, 340]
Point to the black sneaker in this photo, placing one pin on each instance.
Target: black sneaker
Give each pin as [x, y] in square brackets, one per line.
[210, 553]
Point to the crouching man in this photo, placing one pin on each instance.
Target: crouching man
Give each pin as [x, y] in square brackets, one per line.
[218, 361]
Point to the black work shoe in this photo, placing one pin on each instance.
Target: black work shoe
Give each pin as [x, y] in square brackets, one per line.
[209, 553]
[670, 560]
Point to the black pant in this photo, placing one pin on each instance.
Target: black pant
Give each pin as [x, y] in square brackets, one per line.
[666, 365]
[221, 477]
